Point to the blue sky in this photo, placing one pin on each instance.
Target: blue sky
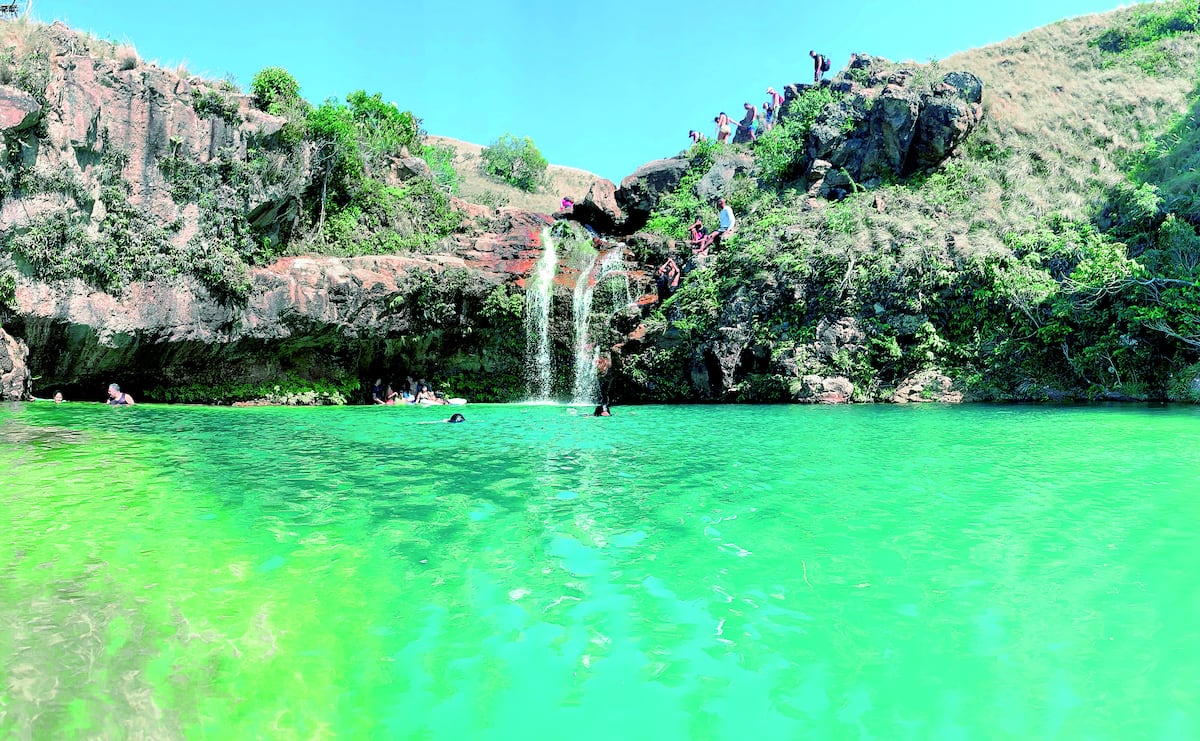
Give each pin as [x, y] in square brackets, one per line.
[604, 86]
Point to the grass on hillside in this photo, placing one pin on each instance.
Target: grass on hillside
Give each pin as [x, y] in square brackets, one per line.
[990, 264]
[478, 188]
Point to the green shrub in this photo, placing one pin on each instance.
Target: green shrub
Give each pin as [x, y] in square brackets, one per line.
[515, 161]
[274, 90]
[212, 104]
[1156, 22]
[781, 152]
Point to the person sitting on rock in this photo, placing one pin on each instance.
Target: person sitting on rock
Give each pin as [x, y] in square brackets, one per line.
[567, 204]
[696, 136]
[118, 398]
[728, 223]
[820, 66]
[699, 238]
[746, 125]
[667, 278]
[390, 395]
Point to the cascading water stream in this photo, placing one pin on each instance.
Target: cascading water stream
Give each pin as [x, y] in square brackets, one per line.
[539, 293]
[606, 266]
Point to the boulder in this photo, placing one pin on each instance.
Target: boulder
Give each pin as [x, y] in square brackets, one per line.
[927, 386]
[641, 191]
[889, 123]
[945, 120]
[18, 110]
[14, 373]
[815, 389]
[599, 208]
[718, 181]
[404, 169]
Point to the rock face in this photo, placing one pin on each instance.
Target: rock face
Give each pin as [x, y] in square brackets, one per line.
[141, 117]
[14, 374]
[888, 124]
[718, 181]
[641, 191]
[311, 317]
[18, 110]
[599, 208]
[927, 386]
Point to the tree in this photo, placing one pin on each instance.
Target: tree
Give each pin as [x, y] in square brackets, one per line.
[515, 161]
[335, 155]
[274, 90]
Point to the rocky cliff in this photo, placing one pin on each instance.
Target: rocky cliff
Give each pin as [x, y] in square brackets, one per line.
[907, 233]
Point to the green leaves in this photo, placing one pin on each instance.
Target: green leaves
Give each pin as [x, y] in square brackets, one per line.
[515, 161]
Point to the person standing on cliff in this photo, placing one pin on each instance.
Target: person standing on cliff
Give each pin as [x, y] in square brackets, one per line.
[773, 106]
[820, 66]
[724, 129]
[746, 125]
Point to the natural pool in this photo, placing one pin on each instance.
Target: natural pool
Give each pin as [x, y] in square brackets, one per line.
[670, 572]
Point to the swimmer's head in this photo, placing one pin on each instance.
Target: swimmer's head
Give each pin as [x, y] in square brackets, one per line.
[456, 418]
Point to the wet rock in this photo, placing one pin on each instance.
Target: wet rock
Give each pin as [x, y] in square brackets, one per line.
[14, 373]
[927, 386]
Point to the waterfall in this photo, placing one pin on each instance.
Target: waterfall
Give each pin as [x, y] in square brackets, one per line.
[576, 251]
[606, 266]
[539, 293]
[583, 391]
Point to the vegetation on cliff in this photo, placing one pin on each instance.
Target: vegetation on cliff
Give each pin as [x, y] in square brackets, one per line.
[1055, 255]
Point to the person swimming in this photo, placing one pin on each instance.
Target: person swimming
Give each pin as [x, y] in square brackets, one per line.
[117, 398]
[456, 418]
[602, 411]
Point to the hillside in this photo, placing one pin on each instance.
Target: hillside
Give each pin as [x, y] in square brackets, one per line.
[475, 187]
[1053, 256]
[897, 239]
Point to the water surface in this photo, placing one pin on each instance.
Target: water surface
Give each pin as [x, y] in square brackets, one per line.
[670, 572]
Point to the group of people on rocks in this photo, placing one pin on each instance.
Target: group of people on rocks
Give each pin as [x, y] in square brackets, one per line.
[668, 275]
[755, 122]
[411, 392]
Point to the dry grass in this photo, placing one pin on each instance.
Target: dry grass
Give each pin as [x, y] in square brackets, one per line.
[1062, 123]
[562, 181]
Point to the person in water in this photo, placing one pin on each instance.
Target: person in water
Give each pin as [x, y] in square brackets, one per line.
[378, 393]
[118, 398]
[58, 397]
[456, 418]
[602, 411]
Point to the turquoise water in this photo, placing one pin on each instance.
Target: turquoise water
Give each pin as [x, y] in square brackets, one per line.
[670, 572]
